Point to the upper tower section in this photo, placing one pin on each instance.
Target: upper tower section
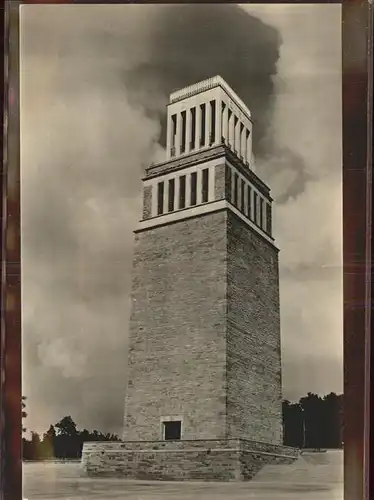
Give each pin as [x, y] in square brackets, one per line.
[209, 163]
[206, 114]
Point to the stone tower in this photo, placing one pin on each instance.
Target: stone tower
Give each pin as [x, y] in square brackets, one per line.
[204, 369]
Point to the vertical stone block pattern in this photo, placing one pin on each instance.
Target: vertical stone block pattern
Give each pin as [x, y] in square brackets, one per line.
[177, 344]
[219, 179]
[254, 398]
[147, 202]
[228, 183]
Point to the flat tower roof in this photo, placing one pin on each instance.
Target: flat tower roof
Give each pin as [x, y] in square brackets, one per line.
[209, 83]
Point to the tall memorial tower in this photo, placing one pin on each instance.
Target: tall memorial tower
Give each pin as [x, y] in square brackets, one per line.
[203, 398]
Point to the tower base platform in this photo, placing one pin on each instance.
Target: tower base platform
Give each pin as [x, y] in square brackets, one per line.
[189, 460]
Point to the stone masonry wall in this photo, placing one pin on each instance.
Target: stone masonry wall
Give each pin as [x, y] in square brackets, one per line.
[147, 202]
[177, 345]
[173, 464]
[220, 182]
[207, 460]
[254, 397]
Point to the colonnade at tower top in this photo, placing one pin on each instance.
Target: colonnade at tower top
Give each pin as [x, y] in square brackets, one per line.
[207, 114]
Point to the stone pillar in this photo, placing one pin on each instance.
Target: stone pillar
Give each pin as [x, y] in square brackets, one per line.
[225, 123]
[237, 138]
[232, 186]
[211, 180]
[166, 196]
[239, 191]
[218, 131]
[246, 199]
[183, 133]
[243, 142]
[252, 214]
[264, 209]
[199, 186]
[188, 130]
[249, 148]
[231, 131]
[207, 123]
[178, 135]
[169, 131]
[176, 193]
[188, 190]
[197, 127]
[154, 198]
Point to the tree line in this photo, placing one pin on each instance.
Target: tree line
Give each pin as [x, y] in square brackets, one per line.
[61, 441]
[312, 422]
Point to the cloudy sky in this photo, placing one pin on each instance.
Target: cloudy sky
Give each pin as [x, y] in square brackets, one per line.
[94, 84]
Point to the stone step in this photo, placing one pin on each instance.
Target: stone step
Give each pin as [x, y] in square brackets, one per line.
[320, 468]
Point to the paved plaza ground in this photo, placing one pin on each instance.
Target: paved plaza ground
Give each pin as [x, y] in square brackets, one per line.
[311, 477]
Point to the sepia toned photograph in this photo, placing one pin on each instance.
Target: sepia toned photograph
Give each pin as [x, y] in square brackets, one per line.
[182, 252]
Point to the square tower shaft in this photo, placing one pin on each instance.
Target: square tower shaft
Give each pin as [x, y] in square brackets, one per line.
[204, 342]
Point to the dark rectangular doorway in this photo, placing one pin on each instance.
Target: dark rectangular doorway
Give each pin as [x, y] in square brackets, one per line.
[172, 430]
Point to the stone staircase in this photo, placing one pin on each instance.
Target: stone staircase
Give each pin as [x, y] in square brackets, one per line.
[310, 468]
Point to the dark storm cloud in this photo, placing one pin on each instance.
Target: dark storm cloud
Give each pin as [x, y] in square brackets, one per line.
[282, 160]
[189, 43]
